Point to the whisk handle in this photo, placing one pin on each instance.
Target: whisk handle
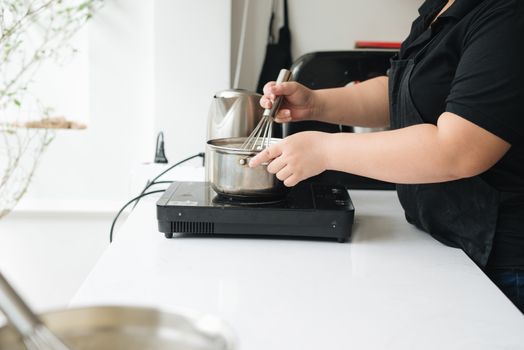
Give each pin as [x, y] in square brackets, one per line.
[16, 310]
[283, 76]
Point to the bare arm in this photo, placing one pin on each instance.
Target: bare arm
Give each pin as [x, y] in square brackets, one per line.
[424, 153]
[365, 104]
[453, 149]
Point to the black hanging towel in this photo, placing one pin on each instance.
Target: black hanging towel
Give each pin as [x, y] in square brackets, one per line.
[278, 54]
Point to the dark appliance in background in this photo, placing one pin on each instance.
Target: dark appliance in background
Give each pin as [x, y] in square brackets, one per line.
[320, 70]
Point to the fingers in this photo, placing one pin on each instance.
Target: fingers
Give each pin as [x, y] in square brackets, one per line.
[283, 116]
[267, 100]
[268, 88]
[265, 156]
[272, 90]
[284, 174]
[292, 181]
[282, 170]
[277, 165]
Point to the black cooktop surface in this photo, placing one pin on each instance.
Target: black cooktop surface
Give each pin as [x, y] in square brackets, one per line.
[308, 210]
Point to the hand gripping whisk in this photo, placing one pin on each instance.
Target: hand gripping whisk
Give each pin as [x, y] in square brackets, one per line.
[260, 138]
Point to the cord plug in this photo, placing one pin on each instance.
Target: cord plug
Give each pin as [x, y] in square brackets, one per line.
[160, 155]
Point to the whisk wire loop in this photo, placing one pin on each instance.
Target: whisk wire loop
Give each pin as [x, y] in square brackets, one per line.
[43, 339]
[261, 136]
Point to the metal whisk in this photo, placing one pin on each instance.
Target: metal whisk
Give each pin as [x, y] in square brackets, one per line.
[261, 136]
[36, 335]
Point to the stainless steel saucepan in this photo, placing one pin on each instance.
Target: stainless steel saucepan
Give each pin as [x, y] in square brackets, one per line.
[230, 174]
[129, 328]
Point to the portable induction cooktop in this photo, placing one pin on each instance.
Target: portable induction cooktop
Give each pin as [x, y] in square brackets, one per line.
[308, 210]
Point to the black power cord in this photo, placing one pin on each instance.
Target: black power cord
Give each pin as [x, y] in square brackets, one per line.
[144, 193]
[153, 182]
[124, 207]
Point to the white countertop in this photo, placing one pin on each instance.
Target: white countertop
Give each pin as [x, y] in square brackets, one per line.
[391, 287]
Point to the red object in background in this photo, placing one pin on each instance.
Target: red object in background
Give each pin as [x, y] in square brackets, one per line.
[377, 45]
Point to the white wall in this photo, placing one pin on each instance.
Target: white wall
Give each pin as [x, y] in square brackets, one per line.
[320, 26]
[151, 66]
[95, 163]
[192, 58]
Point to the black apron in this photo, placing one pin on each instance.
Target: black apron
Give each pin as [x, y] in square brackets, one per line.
[460, 213]
[278, 54]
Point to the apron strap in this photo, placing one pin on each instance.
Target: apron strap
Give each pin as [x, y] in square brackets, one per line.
[274, 7]
[285, 14]
[271, 37]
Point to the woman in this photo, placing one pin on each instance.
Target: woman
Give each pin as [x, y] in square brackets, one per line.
[454, 99]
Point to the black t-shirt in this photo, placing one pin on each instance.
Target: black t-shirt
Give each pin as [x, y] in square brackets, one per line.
[471, 62]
